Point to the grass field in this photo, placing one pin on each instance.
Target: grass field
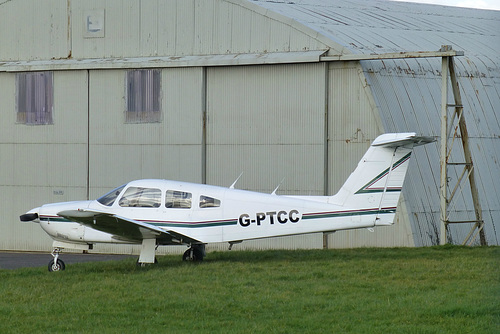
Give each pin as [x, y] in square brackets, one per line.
[407, 290]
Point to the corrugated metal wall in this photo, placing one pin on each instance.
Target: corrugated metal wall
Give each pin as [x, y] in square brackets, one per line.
[41, 164]
[34, 30]
[173, 28]
[58, 29]
[120, 152]
[90, 149]
[353, 123]
[168, 149]
[267, 122]
[417, 91]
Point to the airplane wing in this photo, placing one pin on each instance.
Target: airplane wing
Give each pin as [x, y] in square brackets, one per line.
[125, 228]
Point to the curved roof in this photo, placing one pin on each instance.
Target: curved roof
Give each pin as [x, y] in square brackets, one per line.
[387, 26]
[407, 92]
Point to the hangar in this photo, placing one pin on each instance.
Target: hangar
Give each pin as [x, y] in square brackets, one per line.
[94, 94]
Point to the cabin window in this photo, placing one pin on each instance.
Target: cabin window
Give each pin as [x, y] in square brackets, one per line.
[137, 197]
[209, 202]
[143, 96]
[35, 98]
[110, 197]
[178, 199]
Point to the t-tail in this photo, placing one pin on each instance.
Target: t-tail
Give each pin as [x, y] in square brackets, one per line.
[375, 185]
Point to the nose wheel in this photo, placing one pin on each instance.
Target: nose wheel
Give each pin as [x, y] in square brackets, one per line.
[56, 264]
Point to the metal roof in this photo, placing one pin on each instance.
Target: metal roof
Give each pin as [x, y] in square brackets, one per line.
[408, 91]
[387, 26]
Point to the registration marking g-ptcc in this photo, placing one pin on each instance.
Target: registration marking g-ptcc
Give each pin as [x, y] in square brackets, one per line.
[270, 217]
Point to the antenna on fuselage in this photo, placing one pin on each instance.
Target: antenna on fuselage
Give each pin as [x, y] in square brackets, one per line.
[232, 186]
[274, 191]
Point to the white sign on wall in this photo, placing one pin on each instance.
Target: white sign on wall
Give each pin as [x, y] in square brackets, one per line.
[93, 23]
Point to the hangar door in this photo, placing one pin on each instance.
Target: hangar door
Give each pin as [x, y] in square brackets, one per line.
[267, 122]
[41, 162]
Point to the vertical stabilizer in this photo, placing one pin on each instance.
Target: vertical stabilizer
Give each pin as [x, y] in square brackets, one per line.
[376, 183]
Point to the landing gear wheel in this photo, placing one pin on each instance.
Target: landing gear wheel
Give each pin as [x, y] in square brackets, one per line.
[56, 265]
[193, 254]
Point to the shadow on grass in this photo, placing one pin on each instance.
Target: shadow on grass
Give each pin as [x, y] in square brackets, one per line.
[169, 262]
[342, 254]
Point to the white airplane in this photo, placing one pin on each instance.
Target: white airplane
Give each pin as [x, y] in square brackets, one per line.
[161, 212]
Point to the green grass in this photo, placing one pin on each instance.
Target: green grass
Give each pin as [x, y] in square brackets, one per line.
[406, 290]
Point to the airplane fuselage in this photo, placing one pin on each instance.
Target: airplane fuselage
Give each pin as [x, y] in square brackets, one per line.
[230, 215]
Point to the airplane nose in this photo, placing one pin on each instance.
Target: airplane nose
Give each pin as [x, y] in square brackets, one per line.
[27, 217]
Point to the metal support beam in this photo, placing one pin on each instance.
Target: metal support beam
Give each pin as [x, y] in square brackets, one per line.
[460, 130]
[393, 55]
[444, 151]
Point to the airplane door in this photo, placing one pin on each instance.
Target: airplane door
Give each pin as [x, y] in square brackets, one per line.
[77, 232]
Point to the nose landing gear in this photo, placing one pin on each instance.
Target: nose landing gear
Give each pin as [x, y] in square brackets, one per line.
[56, 264]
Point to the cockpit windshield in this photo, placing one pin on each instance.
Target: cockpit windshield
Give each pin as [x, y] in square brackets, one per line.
[110, 197]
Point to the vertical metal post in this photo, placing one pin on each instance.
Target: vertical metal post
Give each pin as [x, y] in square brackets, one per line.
[326, 143]
[444, 149]
[204, 125]
[88, 135]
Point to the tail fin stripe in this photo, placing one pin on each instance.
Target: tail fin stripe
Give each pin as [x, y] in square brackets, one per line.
[348, 213]
[366, 188]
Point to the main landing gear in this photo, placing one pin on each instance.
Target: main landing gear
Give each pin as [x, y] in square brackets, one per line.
[195, 253]
[56, 264]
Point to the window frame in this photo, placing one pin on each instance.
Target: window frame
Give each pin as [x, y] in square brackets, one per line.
[209, 202]
[143, 100]
[139, 197]
[110, 197]
[35, 98]
[178, 202]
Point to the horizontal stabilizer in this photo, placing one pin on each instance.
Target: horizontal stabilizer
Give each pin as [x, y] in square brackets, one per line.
[401, 139]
